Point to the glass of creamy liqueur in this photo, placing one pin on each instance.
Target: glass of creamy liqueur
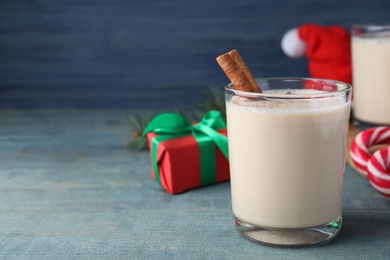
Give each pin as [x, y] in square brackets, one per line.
[287, 149]
[371, 73]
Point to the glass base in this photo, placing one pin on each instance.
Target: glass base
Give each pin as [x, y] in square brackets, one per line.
[289, 236]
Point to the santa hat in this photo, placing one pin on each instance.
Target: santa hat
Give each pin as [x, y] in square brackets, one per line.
[327, 48]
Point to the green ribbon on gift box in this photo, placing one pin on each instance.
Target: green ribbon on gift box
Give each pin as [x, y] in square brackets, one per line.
[171, 125]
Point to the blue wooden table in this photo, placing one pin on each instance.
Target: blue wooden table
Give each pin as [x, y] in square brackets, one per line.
[70, 190]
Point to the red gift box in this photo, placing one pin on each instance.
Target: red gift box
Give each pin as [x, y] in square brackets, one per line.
[188, 160]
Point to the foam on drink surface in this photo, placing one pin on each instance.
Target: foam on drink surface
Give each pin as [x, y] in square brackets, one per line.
[374, 37]
[302, 103]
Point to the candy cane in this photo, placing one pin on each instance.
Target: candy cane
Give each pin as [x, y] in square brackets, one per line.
[376, 166]
[363, 141]
[378, 171]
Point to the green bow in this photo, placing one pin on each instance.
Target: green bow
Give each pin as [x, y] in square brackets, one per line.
[170, 125]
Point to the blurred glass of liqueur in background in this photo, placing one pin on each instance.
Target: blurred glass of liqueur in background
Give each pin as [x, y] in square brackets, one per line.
[371, 73]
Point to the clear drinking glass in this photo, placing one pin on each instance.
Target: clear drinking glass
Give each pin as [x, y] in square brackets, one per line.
[371, 73]
[287, 150]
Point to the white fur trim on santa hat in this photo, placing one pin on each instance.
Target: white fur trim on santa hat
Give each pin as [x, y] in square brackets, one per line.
[292, 45]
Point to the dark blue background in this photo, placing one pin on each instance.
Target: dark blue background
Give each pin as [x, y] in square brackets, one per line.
[149, 54]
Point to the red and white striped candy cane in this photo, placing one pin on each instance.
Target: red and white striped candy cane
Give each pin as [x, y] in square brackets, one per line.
[363, 141]
[378, 171]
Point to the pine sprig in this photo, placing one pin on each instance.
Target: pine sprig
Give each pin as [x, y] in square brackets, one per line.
[137, 125]
[212, 99]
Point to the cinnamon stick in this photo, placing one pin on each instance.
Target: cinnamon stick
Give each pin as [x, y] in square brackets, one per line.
[237, 71]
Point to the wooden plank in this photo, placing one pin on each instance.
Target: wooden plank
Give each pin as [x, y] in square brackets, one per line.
[69, 190]
[95, 53]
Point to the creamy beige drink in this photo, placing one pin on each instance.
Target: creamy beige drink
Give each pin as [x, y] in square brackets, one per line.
[371, 77]
[287, 160]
